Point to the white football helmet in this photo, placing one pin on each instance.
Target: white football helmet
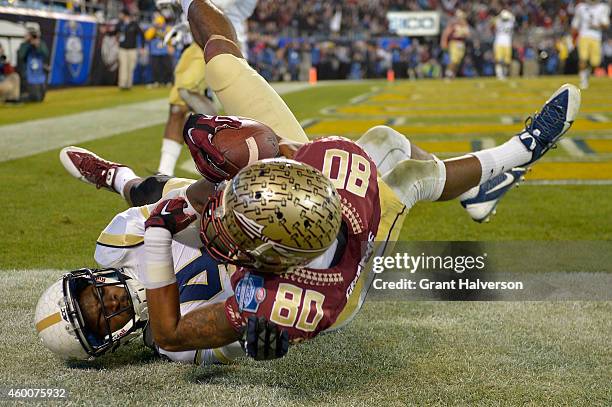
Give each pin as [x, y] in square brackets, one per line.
[506, 15]
[60, 323]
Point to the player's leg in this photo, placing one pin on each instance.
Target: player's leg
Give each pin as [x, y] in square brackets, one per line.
[186, 94]
[414, 181]
[387, 147]
[172, 142]
[499, 68]
[584, 69]
[594, 54]
[91, 169]
[240, 89]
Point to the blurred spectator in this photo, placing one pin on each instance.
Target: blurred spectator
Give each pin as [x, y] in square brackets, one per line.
[9, 80]
[562, 46]
[454, 40]
[607, 53]
[130, 39]
[161, 54]
[334, 28]
[32, 65]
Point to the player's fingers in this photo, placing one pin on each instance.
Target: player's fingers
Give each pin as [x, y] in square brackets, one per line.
[252, 337]
[267, 340]
[282, 346]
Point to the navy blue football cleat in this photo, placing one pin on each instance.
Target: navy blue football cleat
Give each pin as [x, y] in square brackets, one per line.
[544, 129]
[483, 205]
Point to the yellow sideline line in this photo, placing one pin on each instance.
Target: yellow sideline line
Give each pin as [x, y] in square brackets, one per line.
[571, 171]
[600, 146]
[341, 127]
[447, 110]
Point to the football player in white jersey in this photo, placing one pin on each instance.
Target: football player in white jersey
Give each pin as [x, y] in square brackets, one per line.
[591, 18]
[93, 328]
[504, 26]
[407, 180]
[189, 78]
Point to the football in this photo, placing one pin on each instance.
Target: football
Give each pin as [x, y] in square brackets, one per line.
[252, 142]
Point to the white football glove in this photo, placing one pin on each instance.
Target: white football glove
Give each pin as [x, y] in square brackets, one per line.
[160, 4]
[176, 34]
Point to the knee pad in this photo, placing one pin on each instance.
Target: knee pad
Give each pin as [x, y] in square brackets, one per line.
[149, 191]
[198, 103]
[386, 147]
[414, 181]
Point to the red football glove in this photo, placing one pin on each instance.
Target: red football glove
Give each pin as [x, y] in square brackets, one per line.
[170, 215]
[198, 133]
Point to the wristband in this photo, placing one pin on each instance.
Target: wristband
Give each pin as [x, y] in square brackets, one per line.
[160, 266]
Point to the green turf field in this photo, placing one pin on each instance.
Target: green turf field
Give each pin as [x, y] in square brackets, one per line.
[394, 353]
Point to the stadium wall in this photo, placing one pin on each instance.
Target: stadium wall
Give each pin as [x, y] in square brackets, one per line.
[71, 40]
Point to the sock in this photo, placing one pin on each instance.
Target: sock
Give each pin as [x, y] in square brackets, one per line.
[502, 158]
[499, 71]
[584, 76]
[122, 177]
[170, 152]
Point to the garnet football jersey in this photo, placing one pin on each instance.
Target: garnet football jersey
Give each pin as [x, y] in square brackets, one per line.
[308, 300]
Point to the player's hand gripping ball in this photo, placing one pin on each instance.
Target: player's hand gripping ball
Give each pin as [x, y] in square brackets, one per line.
[223, 145]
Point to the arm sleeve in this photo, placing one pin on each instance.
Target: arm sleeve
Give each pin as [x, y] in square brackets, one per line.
[160, 267]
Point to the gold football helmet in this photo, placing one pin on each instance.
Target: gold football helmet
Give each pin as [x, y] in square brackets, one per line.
[273, 215]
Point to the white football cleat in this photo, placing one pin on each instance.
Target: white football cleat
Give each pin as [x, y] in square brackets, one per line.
[89, 168]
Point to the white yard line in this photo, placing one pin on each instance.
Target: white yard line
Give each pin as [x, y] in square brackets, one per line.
[571, 147]
[596, 117]
[308, 122]
[507, 120]
[36, 136]
[398, 121]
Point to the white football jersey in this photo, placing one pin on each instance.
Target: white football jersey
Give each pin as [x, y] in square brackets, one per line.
[588, 17]
[238, 12]
[503, 32]
[200, 279]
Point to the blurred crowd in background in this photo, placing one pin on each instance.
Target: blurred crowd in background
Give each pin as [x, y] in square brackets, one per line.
[342, 39]
[351, 39]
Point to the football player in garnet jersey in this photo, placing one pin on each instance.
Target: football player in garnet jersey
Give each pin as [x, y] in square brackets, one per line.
[258, 222]
[273, 218]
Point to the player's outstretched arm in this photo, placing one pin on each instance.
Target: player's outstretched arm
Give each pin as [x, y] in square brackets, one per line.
[202, 328]
[206, 327]
[241, 90]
